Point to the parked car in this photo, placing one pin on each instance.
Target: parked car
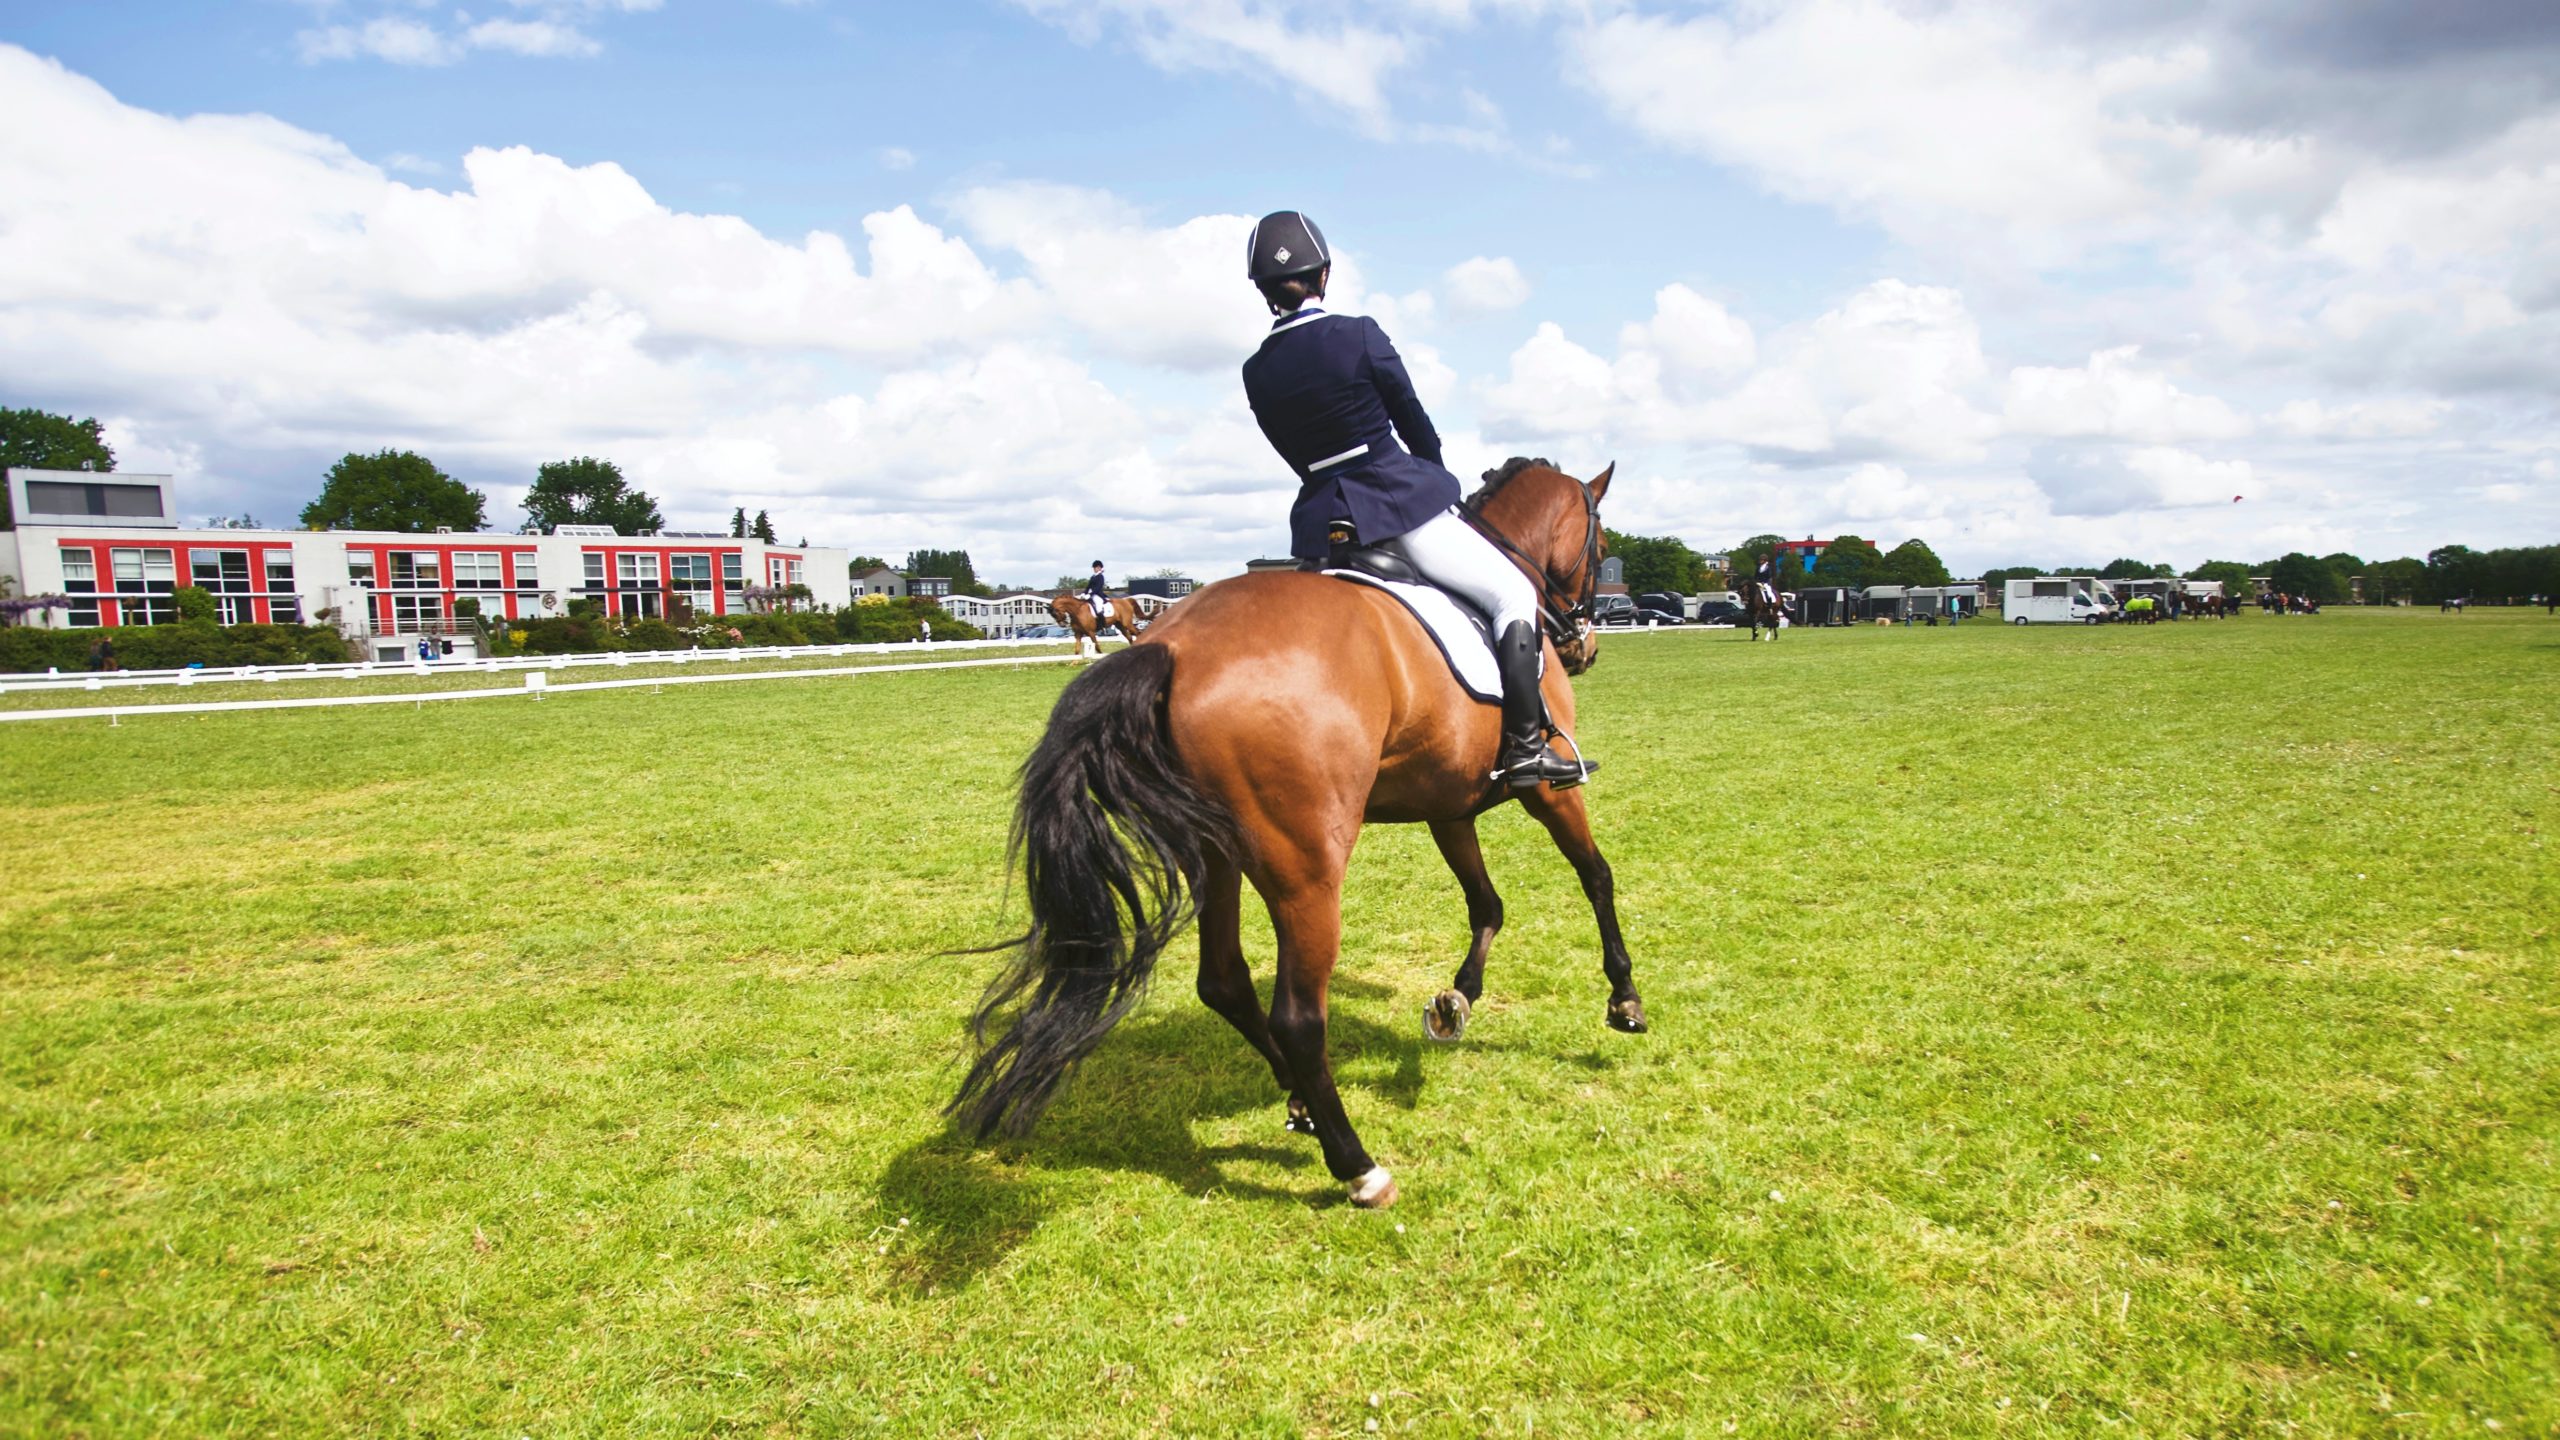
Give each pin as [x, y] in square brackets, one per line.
[1721, 612]
[1615, 611]
[1659, 608]
[1043, 632]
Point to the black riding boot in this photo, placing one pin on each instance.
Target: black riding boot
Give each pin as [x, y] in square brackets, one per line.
[1527, 760]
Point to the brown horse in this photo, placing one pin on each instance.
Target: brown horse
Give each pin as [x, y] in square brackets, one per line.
[1764, 612]
[1069, 609]
[1227, 748]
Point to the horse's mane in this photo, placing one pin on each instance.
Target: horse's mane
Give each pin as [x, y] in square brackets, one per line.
[1503, 474]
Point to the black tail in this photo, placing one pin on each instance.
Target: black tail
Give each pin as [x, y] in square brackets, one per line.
[1107, 823]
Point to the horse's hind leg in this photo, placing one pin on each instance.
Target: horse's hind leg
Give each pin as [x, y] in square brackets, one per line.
[1570, 825]
[1307, 914]
[1445, 1018]
[1226, 982]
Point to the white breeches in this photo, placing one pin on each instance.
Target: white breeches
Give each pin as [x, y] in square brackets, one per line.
[1449, 553]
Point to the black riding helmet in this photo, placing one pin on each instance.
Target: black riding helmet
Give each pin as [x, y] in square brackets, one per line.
[1285, 243]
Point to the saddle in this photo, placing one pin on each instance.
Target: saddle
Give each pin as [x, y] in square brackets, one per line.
[1462, 634]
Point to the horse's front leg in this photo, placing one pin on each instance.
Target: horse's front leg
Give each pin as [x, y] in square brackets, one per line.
[1570, 826]
[1445, 1018]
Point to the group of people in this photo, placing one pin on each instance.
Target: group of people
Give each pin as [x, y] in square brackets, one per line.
[2278, 602]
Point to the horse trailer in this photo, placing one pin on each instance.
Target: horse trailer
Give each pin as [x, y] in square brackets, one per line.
[1885, 602]
[1824, 605]
[2058, 600]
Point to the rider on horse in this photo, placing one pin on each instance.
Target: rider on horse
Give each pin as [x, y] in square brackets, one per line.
[1766, 578]
[1097, 593]
[1332, 396]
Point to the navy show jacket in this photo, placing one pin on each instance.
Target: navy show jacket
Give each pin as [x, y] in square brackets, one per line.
[1332, 395]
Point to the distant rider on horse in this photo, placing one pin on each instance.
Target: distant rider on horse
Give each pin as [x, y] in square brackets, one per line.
[1766, 578]
[1097, 593]
[1332, 396]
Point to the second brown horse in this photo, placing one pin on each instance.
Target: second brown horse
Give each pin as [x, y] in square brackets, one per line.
[1248, 738]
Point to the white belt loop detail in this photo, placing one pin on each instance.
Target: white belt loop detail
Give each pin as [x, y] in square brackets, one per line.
[1328, 462]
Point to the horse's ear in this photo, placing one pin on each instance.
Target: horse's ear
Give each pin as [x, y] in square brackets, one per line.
[1600, 483]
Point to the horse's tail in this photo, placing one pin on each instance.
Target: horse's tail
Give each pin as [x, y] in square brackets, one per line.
[1115, 841]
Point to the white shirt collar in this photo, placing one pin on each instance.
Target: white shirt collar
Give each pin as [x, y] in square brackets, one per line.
[1303, 314]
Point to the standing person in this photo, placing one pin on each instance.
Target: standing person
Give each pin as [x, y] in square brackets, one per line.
[1332, 396]
[102, 655]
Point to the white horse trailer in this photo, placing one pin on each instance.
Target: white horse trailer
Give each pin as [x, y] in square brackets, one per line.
[2057, 600]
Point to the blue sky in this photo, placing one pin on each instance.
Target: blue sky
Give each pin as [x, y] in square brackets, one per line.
[2028, 280]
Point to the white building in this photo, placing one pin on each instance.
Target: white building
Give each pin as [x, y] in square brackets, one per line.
[108, 544]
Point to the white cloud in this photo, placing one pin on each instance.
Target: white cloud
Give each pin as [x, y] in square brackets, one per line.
[546, 38]
[1482, 286]
[2112, 395]
[1694, 335]
[1340, 64]
[2361, 420]
[393, 38]
[897, 157]
[2106, 481]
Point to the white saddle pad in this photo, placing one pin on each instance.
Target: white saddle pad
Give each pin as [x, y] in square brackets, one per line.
[1461, 637]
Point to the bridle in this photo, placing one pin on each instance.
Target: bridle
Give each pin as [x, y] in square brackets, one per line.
[1565, 624]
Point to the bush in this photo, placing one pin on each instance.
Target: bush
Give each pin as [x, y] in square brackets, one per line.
[195, 603]
[466, 607]
[170, 647]
[884, 619]
[653, 635]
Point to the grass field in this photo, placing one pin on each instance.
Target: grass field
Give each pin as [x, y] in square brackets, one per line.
[2125, 1031]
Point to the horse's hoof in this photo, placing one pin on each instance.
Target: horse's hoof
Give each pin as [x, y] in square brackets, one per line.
[1445, 1018]
[1375, 1190]
[1299, 1121]
[1627, 1016]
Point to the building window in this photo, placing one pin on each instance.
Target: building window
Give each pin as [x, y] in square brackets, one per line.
[416, 612]
[478, 570]
[528, 570]
[782, 569]
[284, 603]
[224, 574]
[360, 569]
[94, 500]
[416, 570]
[733, 576]
[638, 575]
[595, 574]
[149, 578]
[80, 582]
[690, 576]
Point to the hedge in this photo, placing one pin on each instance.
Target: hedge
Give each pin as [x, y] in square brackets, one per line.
[32, 649]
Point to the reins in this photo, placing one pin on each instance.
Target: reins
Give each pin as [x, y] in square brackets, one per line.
[1563, 623]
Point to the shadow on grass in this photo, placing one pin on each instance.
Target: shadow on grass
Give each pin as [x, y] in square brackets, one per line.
[1131, 1108]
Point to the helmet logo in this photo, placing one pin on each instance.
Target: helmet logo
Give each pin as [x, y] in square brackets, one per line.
[1281, 254]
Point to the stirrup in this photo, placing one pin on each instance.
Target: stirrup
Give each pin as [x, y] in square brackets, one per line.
[1543, 766]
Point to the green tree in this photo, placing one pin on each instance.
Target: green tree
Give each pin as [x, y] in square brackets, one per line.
[1746, 557]
[861, 565]
[738, 523]
[1653, 563]
[1913, 563]
[2453, 572]
[954, 564]
[2307, 575]
[1849, 560]
[2130, 569]
[2233, 575]
[37, 440]
[762, 529]
[394, 490]
[1996, 579]
[588, 491]
[2389, 580]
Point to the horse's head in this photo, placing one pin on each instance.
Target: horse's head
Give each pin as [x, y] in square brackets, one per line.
[1058, 608]
[1551, 522]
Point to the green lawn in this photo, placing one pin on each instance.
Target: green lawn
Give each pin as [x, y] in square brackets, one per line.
[2127, 1031]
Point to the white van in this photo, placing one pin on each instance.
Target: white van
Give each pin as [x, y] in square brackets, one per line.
[2058, 600]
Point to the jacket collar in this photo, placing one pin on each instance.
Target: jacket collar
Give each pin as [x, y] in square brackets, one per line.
[1297, 317]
